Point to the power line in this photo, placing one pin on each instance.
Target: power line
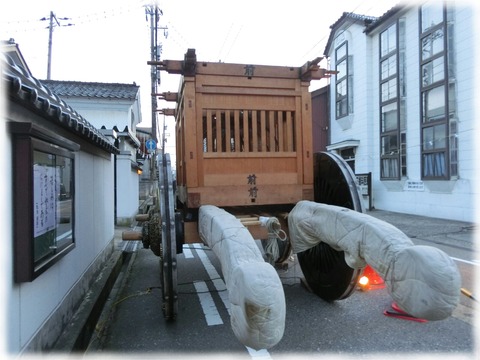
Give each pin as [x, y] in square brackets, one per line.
[323, 38]
[50, 27]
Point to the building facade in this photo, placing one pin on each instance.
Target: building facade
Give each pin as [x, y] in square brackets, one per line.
[114, 108]
[402, 106]
[58, 218]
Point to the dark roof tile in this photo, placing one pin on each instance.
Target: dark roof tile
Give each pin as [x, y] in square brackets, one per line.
[30, 93]
[93, 89]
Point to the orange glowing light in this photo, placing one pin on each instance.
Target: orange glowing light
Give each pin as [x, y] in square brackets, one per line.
[363, 281]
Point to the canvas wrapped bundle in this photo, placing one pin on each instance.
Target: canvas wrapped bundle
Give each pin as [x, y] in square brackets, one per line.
[257, 300]
[423, 280]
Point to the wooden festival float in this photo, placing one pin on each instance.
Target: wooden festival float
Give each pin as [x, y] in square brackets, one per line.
[244, 164]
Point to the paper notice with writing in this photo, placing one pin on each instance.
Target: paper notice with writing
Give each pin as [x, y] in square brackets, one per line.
[44, 198]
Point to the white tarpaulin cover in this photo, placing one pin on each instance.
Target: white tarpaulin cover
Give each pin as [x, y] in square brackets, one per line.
[423, 280]
[257, 312]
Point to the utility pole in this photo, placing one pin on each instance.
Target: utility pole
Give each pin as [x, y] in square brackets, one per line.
[155, 50]
[50, 37]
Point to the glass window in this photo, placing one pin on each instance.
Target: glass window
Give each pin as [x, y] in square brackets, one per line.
[389, 168]
[403, 153]
[389, 90]
[434, 104]
[342, 69]
[452, 107]
[435, 137]
[343, 84]
[388, 67]
[43, 193]
[453, 149]
[439, 146]
[433, 71]
[389, 117]
[342, 109]
[342, 88]
[341, 52]
[432, 44]
[389, 145]
[432, 15]
[388, 40]
[434, 165]
[52, 207]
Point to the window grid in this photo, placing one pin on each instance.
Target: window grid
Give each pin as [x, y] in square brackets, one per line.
[392, 139]
[341, 84]
[438, 123]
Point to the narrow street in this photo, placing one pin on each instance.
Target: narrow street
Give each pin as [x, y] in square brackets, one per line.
[133, 322]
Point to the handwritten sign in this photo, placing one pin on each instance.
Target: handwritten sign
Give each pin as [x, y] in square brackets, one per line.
[45, 180]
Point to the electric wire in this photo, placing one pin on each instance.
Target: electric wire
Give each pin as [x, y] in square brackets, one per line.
[224, 41]
[327, 35]
[233, 43]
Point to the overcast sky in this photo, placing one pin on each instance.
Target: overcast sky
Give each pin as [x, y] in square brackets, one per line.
[109, 40]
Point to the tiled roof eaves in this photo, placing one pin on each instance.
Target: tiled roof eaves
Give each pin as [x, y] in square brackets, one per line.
[30, 93]
[130, 137]
[387, 15]
[93, 89]
[347, 16]
[354, 17]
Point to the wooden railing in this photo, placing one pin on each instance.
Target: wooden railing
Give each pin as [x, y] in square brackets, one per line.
[248, 131]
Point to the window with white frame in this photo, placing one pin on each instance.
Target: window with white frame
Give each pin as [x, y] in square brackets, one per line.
[437, 87]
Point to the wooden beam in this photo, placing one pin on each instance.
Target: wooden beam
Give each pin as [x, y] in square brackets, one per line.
[168, 96]
[167, 112]
[170, 66]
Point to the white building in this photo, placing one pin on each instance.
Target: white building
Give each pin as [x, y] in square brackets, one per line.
[57, 206]
[402, 106]
[114, 108]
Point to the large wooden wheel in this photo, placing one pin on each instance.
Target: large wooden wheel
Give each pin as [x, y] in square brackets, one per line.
[324, 268]
[168, 253]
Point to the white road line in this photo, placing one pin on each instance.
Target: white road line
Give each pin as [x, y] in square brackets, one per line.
[211, 271]
[474, 262]
[221, 288]
[222, 292]
[258, 354]
[208, 305]
[215, 277]
[187, 252]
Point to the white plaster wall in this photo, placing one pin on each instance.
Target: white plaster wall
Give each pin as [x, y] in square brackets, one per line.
[443, 199]
[30, 304]
[127, 189]
[361, 118]
[108, 113]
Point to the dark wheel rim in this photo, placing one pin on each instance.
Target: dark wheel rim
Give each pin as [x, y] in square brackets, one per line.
[168, 261]
[324, 268]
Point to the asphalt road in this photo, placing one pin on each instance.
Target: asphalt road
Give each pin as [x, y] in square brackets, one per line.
[133, 323]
